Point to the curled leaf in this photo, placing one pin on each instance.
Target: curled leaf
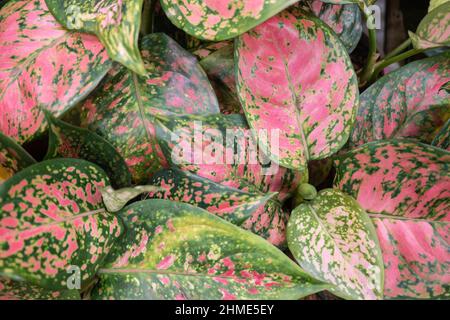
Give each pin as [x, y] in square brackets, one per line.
[115, 22]
[115, 200]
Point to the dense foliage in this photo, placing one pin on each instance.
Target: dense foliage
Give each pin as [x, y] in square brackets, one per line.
[175, 149]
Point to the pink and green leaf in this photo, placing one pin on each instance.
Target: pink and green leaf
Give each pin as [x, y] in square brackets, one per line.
[344, 19]
[434, 30]
[17, 290]
[177, 251]
[295, 76]
[217, 60]
[13, 158]
[405, 187]
[68, 141]
[256, 212]
[221, 19]
[43, 66]
[126, 106]
[115, 22]
[442, 139]
[333, 239]
[221, 148]
[52, 217]
[408, 103]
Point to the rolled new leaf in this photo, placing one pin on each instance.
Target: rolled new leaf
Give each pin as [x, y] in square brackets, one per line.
[115, 22]
[13, 158]
[333, 239]
[177, 251]
[52, 218]
[43, 67]
[295, 77]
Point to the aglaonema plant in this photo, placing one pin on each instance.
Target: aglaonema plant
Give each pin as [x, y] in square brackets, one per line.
[201, 149]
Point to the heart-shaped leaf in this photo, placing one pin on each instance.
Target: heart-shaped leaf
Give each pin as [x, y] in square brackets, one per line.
[17, 290]
[256, 212]
[405, 188]
[222, 149]
[43, 67]
[13, 158]
[221, 19]
[295, 77]
[51, 218]
[177, 251]
[345, 20]
[116, 24]
[217, 60]
[408, 103]
[124, 109]
[434, 30]
[67, 141]
[333, 239]
[442, 139]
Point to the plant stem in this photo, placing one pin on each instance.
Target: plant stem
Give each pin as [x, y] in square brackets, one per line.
[147, 17]
[399, 49]
[371, 58]
[380, 66]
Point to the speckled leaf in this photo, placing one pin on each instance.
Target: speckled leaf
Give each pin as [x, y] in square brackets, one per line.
[177, 251]
[217, 60]
[345, 20]
[67, 141]
[17, 290]
[115, 22]
[13, 158]
[334, 240]
[52, 217]
[397, 177]
[434, 30]
[295, 76]
[405, 188]
[221, 19]
[442, 139]
[221, 148]
[125, 108]
[256, 212]
[43, 67]
[410, 103]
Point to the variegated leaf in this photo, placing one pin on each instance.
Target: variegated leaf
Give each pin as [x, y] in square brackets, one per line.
[52, 217]
[217, 60]
[333, 239]
[43, 67]
[125, 108]
[345, 20]
[295, 77]
[405, 188]
[13, 158]
[221, 19]
[17, 290]
[256, 212]
[434, 30]
[67, 141]
[221, 148]
[408, 103]
[442, 139]
[177, 251]
[115, 22]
